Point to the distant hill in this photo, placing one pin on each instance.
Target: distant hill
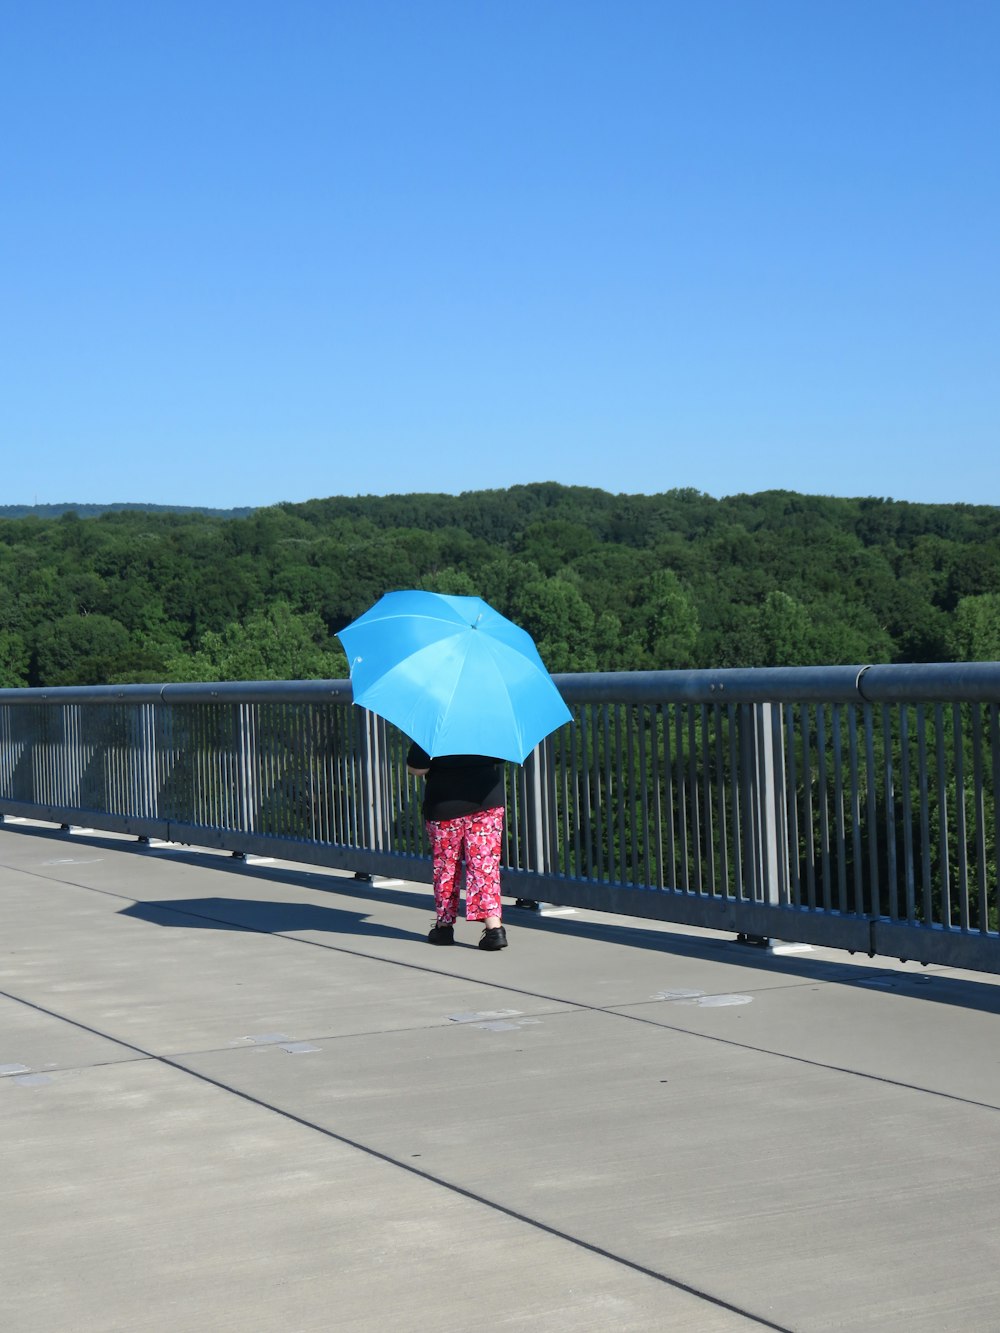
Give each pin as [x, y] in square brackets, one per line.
[95, 511]
[106, 594]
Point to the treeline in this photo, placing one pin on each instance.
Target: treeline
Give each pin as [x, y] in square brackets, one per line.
[603, 582]
[93, 511]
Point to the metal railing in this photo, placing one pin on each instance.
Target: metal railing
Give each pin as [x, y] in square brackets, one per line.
[855, 807]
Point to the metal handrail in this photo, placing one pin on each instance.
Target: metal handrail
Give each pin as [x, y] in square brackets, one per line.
[906, 682]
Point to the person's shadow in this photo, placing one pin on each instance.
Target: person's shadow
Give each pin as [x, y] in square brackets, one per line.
[268, 918]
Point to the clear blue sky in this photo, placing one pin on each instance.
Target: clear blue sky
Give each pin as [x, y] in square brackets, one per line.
[263, 250]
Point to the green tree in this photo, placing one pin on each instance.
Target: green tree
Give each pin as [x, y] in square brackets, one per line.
[975, 630]
[672, 622]
[79, 650]
[615, 647]
[275, 643]
[785, 631]
[560, 622]
[454, 582]
[14, 659]
[554, 543]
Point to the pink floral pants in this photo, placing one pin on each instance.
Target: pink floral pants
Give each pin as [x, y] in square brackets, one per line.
[477, 839]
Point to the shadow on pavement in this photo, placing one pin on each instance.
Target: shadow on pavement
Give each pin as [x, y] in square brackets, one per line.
[270, 918]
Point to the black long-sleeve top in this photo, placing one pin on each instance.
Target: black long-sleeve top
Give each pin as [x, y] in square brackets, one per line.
[458, 784]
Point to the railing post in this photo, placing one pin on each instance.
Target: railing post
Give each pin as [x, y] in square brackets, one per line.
[771, 820]
[247, 768]
[762, 787]
[69, 788]
[148, 785]
[768, 852]
[540, 846]
[372, 822]
[540, 842]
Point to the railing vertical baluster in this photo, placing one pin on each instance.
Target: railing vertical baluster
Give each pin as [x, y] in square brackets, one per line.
[631, 792]
[909, 878]
[979, 809]
[889, 788]
[657, 726]
[791, 805]
[823, 798]
[855, 796]
[706, 850]
[837, 725]
[747, 764]
[923, 784]
[641, 834]
[669, 798]
[605, 827]
[944, 862]
[993, 909]
[808, 813]
[617, 786]
[683, 799]
[735, 890]
[720, 858]
[694, 801]
[588, 770]
[961, 848]
[871, 810]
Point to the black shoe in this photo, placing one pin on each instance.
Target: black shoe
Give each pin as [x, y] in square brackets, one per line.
[494, 937]
[441, 935]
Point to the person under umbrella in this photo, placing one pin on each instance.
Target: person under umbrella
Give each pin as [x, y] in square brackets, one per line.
[463, 810]
[469, 689]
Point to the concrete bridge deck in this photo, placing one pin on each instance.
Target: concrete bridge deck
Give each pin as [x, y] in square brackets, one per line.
[249, 1096]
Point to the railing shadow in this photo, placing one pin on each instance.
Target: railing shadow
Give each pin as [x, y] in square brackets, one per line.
[276, 917]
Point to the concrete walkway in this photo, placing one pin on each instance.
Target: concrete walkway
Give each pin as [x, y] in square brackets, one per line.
[247, 1096]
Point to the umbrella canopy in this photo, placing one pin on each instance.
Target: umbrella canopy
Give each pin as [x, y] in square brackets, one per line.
[454, 674]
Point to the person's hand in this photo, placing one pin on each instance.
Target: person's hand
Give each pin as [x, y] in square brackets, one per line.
[417, 772]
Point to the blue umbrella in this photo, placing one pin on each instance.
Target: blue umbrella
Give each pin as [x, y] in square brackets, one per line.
[454, 674]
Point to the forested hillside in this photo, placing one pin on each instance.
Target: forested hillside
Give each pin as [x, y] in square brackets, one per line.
[603, 582]
[93, 511]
